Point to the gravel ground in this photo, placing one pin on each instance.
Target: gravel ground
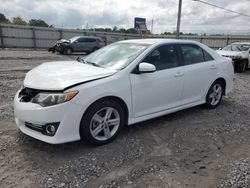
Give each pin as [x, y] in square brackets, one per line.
[191, 148]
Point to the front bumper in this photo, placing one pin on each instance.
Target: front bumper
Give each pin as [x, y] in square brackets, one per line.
[67, 114]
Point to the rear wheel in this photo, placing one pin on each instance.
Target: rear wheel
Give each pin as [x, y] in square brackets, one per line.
[102, 122]
[214, 95]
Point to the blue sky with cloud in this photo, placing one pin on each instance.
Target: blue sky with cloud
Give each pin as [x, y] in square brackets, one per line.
[196, 17]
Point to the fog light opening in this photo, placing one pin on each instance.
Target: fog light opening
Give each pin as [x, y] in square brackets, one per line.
[50, 129]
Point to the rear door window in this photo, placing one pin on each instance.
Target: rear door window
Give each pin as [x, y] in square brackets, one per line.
[90, 40]
[193, 54]
[207, 56]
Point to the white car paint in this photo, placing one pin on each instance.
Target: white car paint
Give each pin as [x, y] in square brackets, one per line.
[62, 74]
[146, 95]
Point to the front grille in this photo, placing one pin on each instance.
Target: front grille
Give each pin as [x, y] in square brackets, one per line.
[27, 94]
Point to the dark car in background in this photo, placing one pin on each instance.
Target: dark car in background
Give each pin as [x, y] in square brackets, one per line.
[77, 44]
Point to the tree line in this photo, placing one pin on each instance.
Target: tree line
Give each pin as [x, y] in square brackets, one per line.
[19, 21]
[41, 23]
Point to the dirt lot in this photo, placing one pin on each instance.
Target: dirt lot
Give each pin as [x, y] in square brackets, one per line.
[192, 148]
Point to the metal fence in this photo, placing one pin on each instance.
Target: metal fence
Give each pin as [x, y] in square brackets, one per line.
[15, 36]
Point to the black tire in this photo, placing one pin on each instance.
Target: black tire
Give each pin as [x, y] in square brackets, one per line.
[67, 51]
[85, 126]
[209, 104]
[247, 66]
[242, 66]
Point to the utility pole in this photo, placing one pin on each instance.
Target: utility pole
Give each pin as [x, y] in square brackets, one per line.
[152, 26]
[178, 20]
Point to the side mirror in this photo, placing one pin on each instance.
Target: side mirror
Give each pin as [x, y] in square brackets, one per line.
[146, 67]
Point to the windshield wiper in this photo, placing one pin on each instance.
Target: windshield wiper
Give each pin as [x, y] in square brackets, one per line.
[82, 60]
[94, 64]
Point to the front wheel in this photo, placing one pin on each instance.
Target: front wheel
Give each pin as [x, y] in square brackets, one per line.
[214, 95]
[242, 66]
[102, 122]
[67, 51]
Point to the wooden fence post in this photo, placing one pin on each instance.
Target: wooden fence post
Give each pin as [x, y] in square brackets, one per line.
[1, 37]
[34, 38]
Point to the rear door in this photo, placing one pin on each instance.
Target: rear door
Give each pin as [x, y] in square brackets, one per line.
[160, 90]
[200, 70]
[78, 45]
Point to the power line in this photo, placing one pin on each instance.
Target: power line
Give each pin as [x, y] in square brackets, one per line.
[204, 2]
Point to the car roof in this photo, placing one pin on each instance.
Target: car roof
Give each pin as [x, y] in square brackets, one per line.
[241, 43]
[87, 37]
[156, 41]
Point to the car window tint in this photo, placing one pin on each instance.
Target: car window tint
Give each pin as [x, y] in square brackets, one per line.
[164, 57]
[90, 40]
[207, 56]
[86, 40]
[192, 54]
[81, 40]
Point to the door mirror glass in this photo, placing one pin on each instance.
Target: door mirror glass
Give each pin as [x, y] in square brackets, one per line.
[146, 67]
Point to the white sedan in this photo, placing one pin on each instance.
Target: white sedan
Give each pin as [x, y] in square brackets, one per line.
[122, 84]
[239, 52]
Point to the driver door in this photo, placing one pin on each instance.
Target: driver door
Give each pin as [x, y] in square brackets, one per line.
[162, 89]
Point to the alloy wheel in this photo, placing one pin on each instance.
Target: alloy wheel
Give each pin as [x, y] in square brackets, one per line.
[105, 123]
[215, 94]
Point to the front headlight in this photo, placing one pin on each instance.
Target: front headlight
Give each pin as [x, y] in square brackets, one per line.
[49, 99]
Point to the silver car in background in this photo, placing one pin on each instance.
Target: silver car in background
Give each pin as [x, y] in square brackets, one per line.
[78, 44]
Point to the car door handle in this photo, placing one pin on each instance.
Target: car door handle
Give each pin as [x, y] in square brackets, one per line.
[212, 67]
[179, 74]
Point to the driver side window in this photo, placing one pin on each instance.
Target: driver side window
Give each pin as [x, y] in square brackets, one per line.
[164, 57]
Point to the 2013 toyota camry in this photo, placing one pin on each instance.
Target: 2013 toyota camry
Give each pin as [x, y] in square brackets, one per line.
[122, 84]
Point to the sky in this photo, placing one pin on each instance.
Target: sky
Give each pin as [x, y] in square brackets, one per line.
[196, 17]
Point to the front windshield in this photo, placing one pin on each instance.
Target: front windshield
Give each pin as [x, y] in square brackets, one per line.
[73, 39]
[116, 56]
[237, 47]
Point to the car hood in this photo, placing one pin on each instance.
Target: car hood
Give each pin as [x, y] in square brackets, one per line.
[62, 41]
[62, 74]
[229, 53]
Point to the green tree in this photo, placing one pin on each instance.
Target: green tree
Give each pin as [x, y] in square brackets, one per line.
[3, 19]
[18, 21]
[107, 29]
[122, 30]
[132, 31]
[38, 23]
[115, 29]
